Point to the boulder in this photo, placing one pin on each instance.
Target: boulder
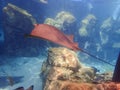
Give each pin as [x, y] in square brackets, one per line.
[63, 65]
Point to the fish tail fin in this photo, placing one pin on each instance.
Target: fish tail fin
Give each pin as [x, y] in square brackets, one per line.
[116, 74]
[76, 48]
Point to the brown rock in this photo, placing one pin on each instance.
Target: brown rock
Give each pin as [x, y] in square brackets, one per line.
[63, 71]
[107, 86]
[78, 86]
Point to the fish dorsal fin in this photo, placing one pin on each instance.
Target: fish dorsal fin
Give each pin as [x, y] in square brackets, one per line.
[30, 88]
[70, 37]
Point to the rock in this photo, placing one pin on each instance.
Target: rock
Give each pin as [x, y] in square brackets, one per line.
[107, 86]
[77, 86]
[62, 57]
[66, 85]
[63, 71]
[63, 65]
[18, 22]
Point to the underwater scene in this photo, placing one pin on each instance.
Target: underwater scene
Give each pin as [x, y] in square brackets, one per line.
[59, 44]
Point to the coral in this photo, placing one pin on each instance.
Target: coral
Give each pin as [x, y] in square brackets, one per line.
[107, 24]
[83, 31]
[49, 21]
[63, 19]
[87, 24]
[89, 19]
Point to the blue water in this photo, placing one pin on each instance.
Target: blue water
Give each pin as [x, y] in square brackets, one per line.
[101, 43]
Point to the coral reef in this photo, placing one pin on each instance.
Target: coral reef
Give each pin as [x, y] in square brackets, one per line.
[17, 22]
[87, 24]
[63, 19]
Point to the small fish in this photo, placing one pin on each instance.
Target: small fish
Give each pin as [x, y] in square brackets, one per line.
[22, 88]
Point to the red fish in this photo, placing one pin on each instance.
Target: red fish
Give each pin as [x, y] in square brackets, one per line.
[52, 34]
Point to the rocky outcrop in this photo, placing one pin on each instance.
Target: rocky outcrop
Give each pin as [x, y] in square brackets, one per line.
[61, 66]
[63, 71]
[17, 22]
